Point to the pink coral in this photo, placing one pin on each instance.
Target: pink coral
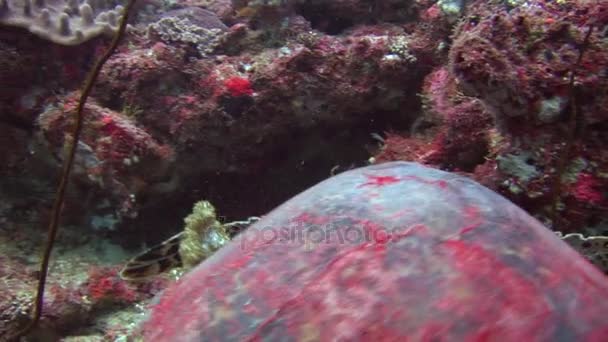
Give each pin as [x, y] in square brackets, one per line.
[238, 86]
[517, 61]
[104, 284]
[586, 189]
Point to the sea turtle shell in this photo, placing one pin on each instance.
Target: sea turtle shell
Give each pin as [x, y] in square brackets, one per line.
[394, 251]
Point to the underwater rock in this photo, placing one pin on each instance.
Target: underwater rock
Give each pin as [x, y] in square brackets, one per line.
[517, 59]
[296, 82]
[329, 16]
[452, 133]
[116, 161]
[64, 308]
[234, 113]
[14, 303]
[390, 251]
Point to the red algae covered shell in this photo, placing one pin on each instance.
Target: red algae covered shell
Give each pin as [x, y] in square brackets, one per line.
[394, 251]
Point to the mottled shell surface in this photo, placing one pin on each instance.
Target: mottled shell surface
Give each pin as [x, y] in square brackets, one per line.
[395, 251]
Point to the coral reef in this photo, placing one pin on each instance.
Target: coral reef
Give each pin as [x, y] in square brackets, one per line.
[522, 60]
[518, 61]
[115, 156]
[15, 299]
[513, 63]
[86, 298]
[248, 102]
[453, 133]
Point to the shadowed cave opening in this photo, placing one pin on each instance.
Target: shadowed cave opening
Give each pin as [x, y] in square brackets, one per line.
[301, 159]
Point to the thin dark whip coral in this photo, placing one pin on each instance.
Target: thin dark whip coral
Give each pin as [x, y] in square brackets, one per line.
[66, 171]
[573, 118]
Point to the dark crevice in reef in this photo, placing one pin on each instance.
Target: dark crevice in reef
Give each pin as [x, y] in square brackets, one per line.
[316, 14]
[301, 159]
[16, 122]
